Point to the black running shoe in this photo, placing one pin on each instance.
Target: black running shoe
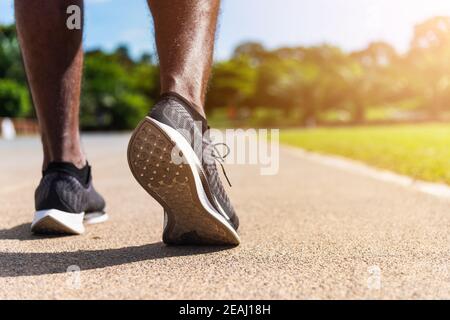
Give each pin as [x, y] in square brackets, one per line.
[171, 155]
[65, 201]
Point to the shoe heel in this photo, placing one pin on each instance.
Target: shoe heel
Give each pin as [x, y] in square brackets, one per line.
[52, 221]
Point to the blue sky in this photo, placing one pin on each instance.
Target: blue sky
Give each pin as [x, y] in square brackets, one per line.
[351, 24]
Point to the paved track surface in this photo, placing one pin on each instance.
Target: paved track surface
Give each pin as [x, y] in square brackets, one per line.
[311, 231]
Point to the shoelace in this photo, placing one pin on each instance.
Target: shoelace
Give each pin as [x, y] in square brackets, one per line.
[221, 158]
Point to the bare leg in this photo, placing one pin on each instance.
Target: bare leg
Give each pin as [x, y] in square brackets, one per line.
[53, 59]
[185, 32]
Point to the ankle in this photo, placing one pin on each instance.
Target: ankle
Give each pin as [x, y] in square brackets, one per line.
[63, 148]
[190, 93]
[195, 109]
[83, 174]
[78, 161]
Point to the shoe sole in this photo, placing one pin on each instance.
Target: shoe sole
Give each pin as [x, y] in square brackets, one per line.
[189, 217]
[57, 222]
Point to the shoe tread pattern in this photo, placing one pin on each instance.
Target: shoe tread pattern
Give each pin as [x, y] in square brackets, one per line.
[173, 186]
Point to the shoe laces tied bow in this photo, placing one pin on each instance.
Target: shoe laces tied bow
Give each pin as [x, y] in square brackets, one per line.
[220, 158]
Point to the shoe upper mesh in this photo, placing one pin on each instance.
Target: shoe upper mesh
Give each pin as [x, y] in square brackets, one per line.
[173, 113]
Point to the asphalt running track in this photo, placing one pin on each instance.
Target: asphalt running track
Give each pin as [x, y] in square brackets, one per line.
[312, 231]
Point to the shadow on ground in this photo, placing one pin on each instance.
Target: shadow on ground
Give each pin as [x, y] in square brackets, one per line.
[21, 232]
[15, 264]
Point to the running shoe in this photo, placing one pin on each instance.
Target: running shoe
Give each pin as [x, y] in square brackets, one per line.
[65, 201]
[172, 157]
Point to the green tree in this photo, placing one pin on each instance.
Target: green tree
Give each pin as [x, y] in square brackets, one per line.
[233, 83]
[14, 97]
[10, 57]
[299, 79]
[371, 77]
[428, 64]
[111, 97]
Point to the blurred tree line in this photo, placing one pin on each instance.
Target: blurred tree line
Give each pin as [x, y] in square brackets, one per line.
[256, 86]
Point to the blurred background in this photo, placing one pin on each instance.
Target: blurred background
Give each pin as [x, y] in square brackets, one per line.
[378, 70]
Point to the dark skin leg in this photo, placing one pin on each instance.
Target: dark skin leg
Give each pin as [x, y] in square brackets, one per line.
[53, 60]
[185, 33]
[53, 56]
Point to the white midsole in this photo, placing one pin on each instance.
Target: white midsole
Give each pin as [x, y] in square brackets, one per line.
[71, 221]
[93, 218]
[194, 163]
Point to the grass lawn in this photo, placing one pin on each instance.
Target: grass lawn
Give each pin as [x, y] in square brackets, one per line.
[420, 151]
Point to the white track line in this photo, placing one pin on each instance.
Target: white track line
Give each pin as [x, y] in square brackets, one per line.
[435, 189]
